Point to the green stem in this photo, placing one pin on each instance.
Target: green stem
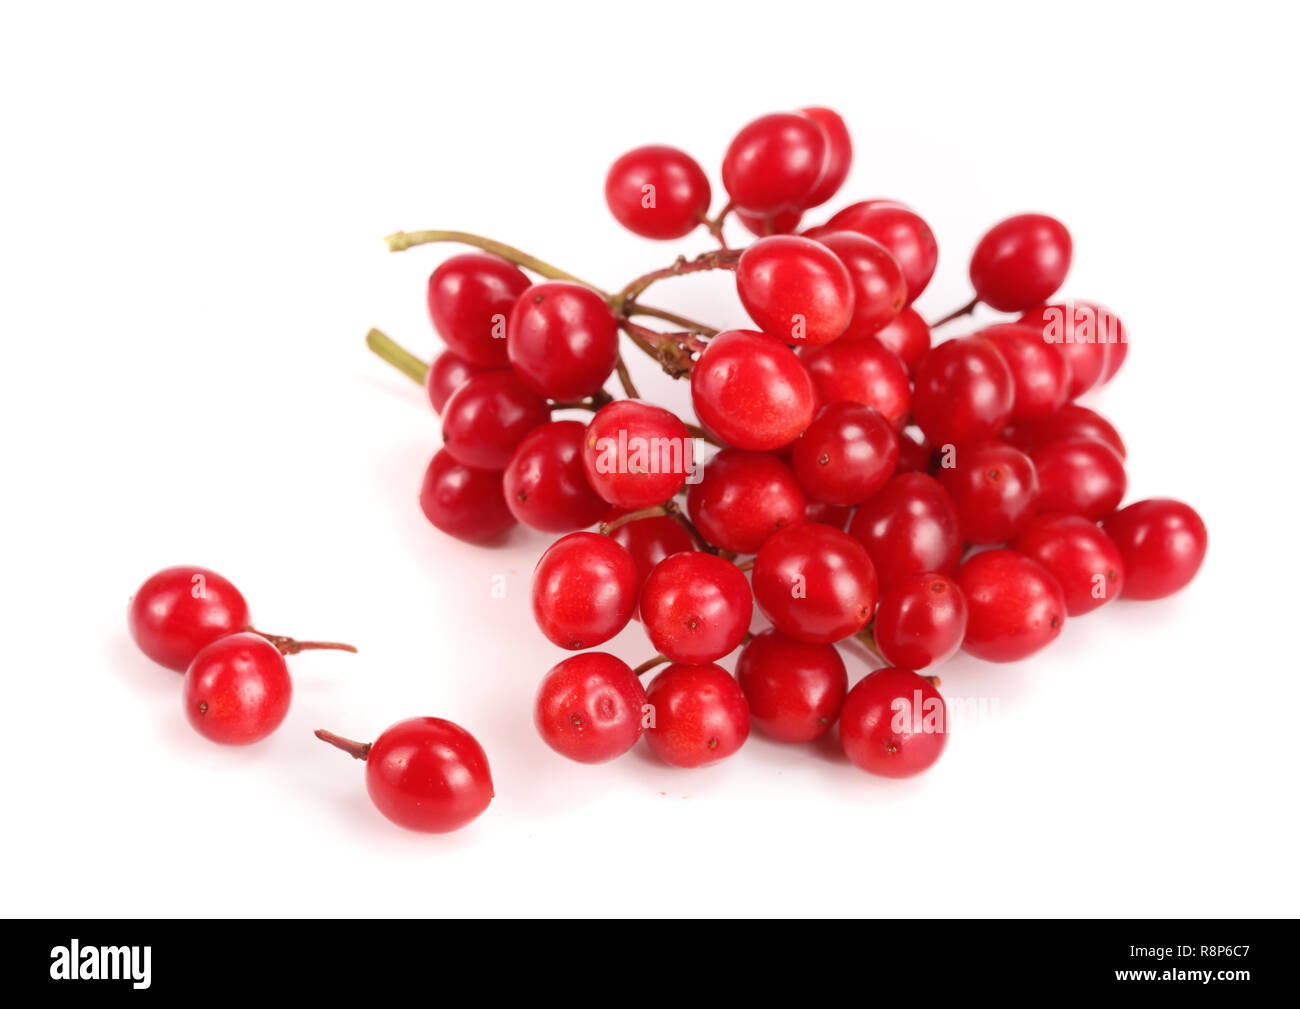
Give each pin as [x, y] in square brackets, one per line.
[403, 240]
[397, 355]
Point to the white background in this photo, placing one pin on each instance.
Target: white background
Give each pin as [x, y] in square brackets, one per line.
[189, 258]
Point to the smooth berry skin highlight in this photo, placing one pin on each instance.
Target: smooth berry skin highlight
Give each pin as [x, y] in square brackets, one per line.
[696, 607]
[636, 455]
[910, 526]
[964, 392]
[1080, 556]
[487, 417]
[1163, 543]
[1079, 331]
[815, 583]
[862, 371]
[836, 516]
[1069, 423]
[914, 455]
[894, 723]
[847, 454]
[677, 197]
[879, 289]
[795, 289]
[743, 498]
[907, 336]
[1016, 606]
[545, 483]
[1080, 477]
[794, 688]
[563, 340]
[921, 620]
[774, 163]
[900, 230]
[837, 160]
[648, 541]
[470, 297]
[700, 715]
[237, 690]
[752, 391]
[994, 487]
[584, 590]
[446, 374]
[588, 708]
[1039, 371]
[464, 502]
[180, 610]
[1021, 262]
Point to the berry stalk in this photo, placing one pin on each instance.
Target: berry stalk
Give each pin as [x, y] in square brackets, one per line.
[397, 355]
[292, 646]
[349, 746]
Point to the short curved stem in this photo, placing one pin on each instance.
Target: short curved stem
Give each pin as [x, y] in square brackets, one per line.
[625, 379]
[292, 646]
[677, 320]
[348, 746]
[714, 224]
[654, 511]
[745, 565]
[965, 309]
[402, 240]
[577, 404]
[869, 641]
[649, 664]
[696, 431]
[672, 350]
[719, 259]
[674, 512]
[397, 355]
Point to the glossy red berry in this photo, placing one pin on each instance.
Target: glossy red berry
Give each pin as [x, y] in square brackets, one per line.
[921, 620]
[894, 723]
[862, 371]
[648, 541]
[908, 336]
[879, 290]
[470, 297]
[1020, 262]
[1163, 543]
[545, 483]
[847, 454]
[795, 289]
[563, 340]
[179, 610]
[1081, 557]
[774, 163]
[589, 708]
[1039, 371]
[637, 455]
[964, 392]
[900, 230]
[794, 688]
[700, 715]
[815, 583]
[783, 222]
[752, 391]
[742, 498]
[1088, 336]
[237, 690]
[465, 502]
[909, 526]
[1070, 422]
[838, 158]
[425, 774]
[446, 374]
[995, 489]
[658, 192]
[836, 516]
[1016, 606]
[696, 607]
[487, 417]
[1079, 477]
[914, 455]
[584, 590]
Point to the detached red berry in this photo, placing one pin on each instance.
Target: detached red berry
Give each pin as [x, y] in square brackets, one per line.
[237, 690]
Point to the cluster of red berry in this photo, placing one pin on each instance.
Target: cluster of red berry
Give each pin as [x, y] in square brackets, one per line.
[867, 473]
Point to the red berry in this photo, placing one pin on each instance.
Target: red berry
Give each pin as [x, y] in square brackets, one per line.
[237, 690]
[795, 289]
[783, 222]
[696, 607]
[964, 392]
[921, 620]
[900, 230]
[637, 455]
[838, 158]
[1039, 371]
[1069, 423]
[470, 297]
[1016, 606]
[1080, 556]
[545, 483]
[584, 590]
[908, 336]
[794, 688]
[700, 715]
[589, 708]
[465, 502]
[815, 583]
[894, 723]
[657, 192]
[179, 610]
[847, 454]
[563, 340]
[879, 290]
[648, 541]
[425, 774]
[1088, 337]
[910, 525]
[1079, 477]
[742, 498]
[487, 417]
[914, 455]
[862, 371]
[836, 516]
[995, 489]
[1162, 542]
[447, 374]
[751, 390]
[1020, 262]
[774, 163]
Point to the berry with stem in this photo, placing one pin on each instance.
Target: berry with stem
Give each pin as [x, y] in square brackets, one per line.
[1020, 262]
[237, 690]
